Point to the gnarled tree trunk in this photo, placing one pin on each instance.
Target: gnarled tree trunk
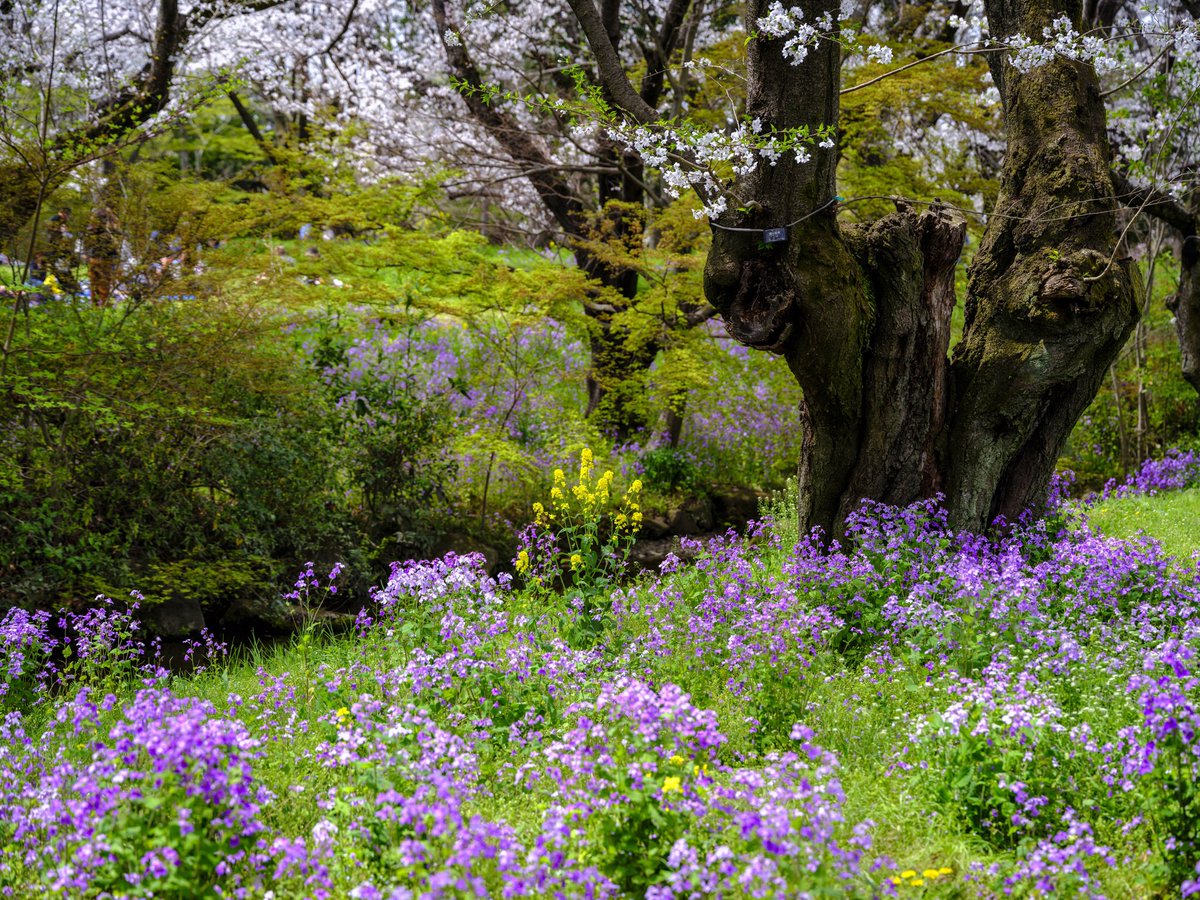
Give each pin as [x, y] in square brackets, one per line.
[1185, 304]
[862, 316]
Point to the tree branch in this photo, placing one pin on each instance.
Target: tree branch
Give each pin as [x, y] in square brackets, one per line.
[563, 203]
[1155, 203]
[658, 55]
[612, 74]
[251, 126]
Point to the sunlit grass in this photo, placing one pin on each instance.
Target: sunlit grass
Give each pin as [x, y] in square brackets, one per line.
[1172, 519]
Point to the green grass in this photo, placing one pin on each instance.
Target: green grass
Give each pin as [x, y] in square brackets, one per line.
[1173, 519]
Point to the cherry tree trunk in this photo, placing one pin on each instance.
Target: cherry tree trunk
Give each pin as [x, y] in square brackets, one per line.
[1185, 304]
[862, 316]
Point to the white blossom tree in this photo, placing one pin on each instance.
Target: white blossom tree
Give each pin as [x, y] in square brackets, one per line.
[862, 314]
[80, 79]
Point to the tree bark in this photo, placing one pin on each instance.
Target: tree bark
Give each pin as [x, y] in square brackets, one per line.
[1048, 305]
[1185, 304]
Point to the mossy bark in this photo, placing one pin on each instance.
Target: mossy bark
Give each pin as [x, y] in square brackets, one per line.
[1185, 304]
[20, 191]
[863, 316]
[1048, 304]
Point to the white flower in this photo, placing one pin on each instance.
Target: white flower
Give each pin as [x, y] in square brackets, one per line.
[323, 832]
[879, 53]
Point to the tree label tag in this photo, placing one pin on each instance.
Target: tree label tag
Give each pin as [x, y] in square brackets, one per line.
[774, 236]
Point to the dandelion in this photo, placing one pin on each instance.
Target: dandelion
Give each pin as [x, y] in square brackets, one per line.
[908, 873]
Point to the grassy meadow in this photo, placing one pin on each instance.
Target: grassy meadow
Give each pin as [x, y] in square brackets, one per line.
[919, 713]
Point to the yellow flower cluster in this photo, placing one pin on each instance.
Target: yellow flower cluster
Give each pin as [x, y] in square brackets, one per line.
[629, 518]
[910, 876]
[592, 529]
[672, 784]
[590, 499]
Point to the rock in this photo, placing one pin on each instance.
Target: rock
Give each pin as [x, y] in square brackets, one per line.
[175, 617]
[734, 504]
[693, 516]
[261, 611]
[655, 527]
[650, 553]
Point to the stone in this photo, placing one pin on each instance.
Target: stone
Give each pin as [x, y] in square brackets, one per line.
[174, 617]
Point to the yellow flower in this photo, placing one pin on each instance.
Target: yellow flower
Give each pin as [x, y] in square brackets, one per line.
[917, 882]
[676, 759]
[672, 784]
[636, 486]
[342, 713]
[931, 874]
[576, 562]
[556, 494]
[637, 518]
[51, 284]
[559, 478]
[945, 870]
[523, 562]
[896, 879]
[585, 465]
[908, 873]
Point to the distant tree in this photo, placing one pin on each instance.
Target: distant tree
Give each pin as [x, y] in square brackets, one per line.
[79, 80]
